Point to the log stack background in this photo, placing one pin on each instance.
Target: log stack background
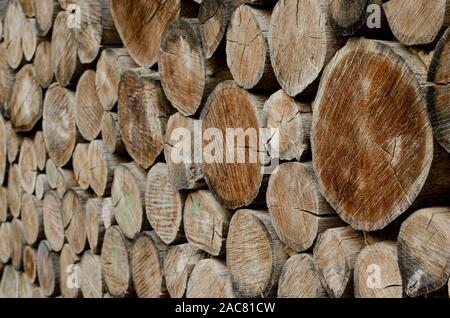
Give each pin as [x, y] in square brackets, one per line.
[92, 204]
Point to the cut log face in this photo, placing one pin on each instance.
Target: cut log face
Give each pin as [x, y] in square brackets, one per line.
[214, 16]
[45, 13]
[108, 213]
[184, 173]
[48, 269]
[248, 50]
[59, 128]
[111, 136]
[88, 109]
[255, 255]
[28, 165]
[92, 285]
[43, 64]
[335, 253]
[112, 64]
[300, 278]
[42, 186]
[81, 165]
[17, 241]
[147, 256]
[28, 7]
[15, 190]
[68, 261]
[6, 81]
[292, 120]
[210, 279]
[143, 111]
[29, 39]
[423, 251]
[206, 222]
[41, 152]
[30, 263]
[14, 140]
[32, 218]
[233, 184]
[3, 150]
[26, 100]
[115, 260]
[4, 213]
[376, 273]
[164, 204]
[301, 43]
[73, 217]
[53, 223]
[95, 228]
[14, 20]
[299, 212]
[52, 173]
[5, 247]
[390, 140]
[25, 286]
[439, 100]
[9, 285]
[141, 25]
[127, 194]
[410, 20]
[179, 263]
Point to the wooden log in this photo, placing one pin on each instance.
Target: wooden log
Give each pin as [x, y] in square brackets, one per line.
[299, 212]
[115, 258]
[80, 163]
[3, 150]
[53, 223]
[9, 285]
[96, 29]
[247, 48]
[184, 171]
[141, 24]
[39, 149]
[423, 245]
[43, 64]
[143, 112]
[30, 39]
[69, 278]
[164, 205]
[260, 2]
[28, 165]
[17, 241]
[52, 173]
[65, 62]
[95, 229]
[92, 285]
[147, 256]
[37, 293]
[206, 222]
[88, 109]
[181, 42]
[32, 218]
[48, 269]
[45, 14]
[30, 263]
[14, 140]
[111, 136]
[300, 278]
[251, 238]
[335, 253]
[214, 17]
[179, 263]
[234, 177]
[127, 198]
[108, 213]
[411, 23]
[210, 278]
[5, 247]
[64, 4]
[376, 273]
[65, 181]
[6, 81]
[438, 94]
[292, 121]
[112, 64]
[26, 100]
[59, 128]
[73, 217]
[385, 140]
[102, 166]
[28, 7]
[13, 34]
[302, 43]
[42, 186]
[15, 191]
[25, 286]
[4, 212]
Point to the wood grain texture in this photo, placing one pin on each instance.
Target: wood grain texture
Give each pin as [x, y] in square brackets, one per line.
[69, 274]
[48, 269]
[53, 223]
[92, 285]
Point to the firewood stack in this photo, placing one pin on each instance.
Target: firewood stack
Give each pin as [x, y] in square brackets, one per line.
[93, 94]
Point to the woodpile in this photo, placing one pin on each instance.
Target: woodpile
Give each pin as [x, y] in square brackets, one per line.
[224, 148]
